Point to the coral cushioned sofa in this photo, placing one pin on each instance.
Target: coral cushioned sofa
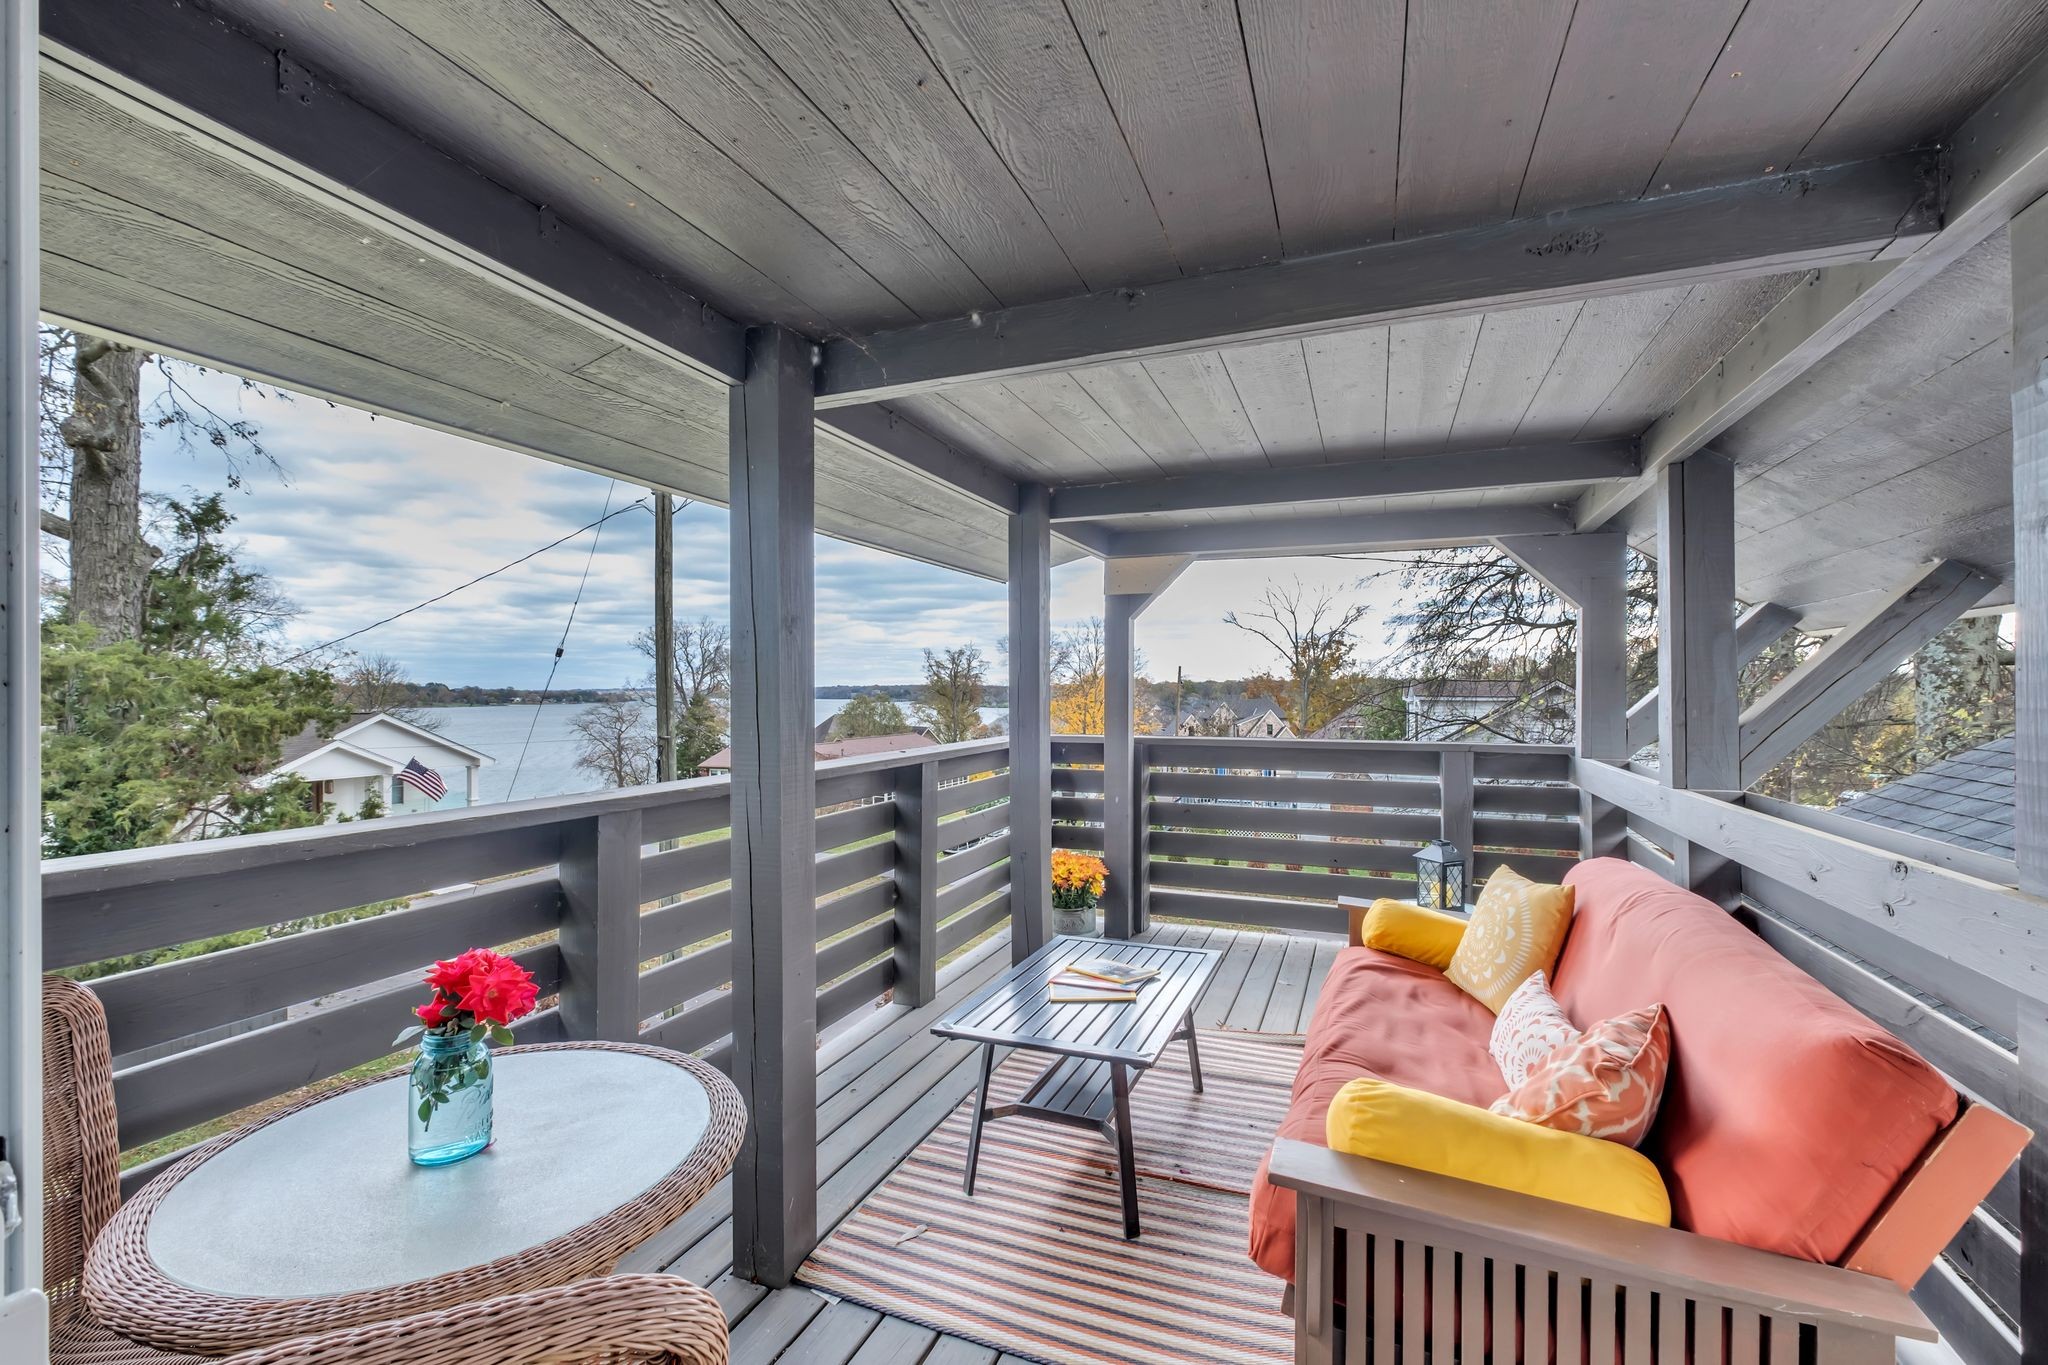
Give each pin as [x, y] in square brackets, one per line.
[1815, 1164]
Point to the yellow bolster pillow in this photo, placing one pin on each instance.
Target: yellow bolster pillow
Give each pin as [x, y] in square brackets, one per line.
[1426, 936]
[1426, 1132]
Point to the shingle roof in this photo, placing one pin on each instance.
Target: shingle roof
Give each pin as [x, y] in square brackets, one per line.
[309, 739]
[1966, 800]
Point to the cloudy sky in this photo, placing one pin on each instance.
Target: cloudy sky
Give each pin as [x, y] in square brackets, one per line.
[372, 516]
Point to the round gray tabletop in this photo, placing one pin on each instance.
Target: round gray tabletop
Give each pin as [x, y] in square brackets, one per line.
[324, 1201]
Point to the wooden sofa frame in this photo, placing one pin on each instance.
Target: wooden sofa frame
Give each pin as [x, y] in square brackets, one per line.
[1420, 1266]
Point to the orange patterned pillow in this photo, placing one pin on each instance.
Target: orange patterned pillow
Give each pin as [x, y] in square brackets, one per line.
[1605, 1084]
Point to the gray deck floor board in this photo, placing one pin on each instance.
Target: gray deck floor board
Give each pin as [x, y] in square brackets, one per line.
[881, 1096]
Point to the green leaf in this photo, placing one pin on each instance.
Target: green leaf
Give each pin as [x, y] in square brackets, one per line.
[502, 1036]
[402, 1039]
[477, 1031]
[481, 1069]
[427, 1109]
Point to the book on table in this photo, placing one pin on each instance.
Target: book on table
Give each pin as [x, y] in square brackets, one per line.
[1070, 987]
[1109, 969]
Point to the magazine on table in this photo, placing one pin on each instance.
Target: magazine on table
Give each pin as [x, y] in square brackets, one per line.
[1088, 983]
[1109, 969]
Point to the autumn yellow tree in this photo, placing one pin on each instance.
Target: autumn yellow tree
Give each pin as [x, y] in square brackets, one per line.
[1079, 670]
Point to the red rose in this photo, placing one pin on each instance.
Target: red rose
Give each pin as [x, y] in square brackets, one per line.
[488, 987]
[499, 990]
[451, 976]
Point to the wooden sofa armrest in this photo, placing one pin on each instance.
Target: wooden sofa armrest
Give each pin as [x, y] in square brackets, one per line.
[1601, 1244]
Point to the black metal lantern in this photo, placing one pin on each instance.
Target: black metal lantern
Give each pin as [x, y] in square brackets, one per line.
[1440, 876]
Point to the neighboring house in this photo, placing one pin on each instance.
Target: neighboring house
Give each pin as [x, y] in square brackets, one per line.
[367, 754]
[720, 763]
[1244, 718]
[1208, 718]
[1357, 723]
[1483, 710]
[1966, 801]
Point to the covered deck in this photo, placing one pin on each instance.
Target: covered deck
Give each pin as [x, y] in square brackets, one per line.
[1758, 290]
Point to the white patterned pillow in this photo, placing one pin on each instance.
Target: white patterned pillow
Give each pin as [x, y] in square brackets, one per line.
[1531, 1026]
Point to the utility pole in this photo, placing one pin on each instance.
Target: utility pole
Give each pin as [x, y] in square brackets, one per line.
[1179, 680]
[664, 637]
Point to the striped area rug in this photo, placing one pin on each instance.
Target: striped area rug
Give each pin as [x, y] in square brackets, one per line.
[1035, 1264]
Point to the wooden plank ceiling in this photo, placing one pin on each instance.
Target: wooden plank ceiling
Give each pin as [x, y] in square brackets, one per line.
[1567, 372]
[1893, 452]
[858, 164]
[843, 166]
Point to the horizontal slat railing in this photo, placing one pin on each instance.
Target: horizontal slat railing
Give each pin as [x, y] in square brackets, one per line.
[1933, 943]
[1272, 832]
[322, 973]
[1077, 792]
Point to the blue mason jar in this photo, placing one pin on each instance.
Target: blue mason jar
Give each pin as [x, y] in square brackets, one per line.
[448, 1099]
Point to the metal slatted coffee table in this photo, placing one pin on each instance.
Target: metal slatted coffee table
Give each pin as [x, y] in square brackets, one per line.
[1098, 1050]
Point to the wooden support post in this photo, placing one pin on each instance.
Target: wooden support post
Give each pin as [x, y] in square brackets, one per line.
[21, 916]
[1853, 661]
[1591, 572]
[1756, 630]
[1697, 713]
[664, 637]
[1121, 908]
[1455, 784]
[774, 812]
[916, 795]
[2030, 592]
[1030, 721]
[600, 934]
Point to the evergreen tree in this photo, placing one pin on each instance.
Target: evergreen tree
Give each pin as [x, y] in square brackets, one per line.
[700, 733]
[166, 734]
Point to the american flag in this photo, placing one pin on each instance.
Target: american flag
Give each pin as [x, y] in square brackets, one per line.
[423, 779]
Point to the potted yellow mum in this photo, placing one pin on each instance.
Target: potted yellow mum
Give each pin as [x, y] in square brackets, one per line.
[1077, 882]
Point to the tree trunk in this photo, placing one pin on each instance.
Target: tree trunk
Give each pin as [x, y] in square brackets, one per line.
[110, 561]
[1956, 680]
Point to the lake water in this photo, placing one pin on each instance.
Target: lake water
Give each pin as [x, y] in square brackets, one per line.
[549, 767]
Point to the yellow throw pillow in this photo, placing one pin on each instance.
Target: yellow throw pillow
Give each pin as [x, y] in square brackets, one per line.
[1517, 928]
[1426, 936]
[1426, 1132]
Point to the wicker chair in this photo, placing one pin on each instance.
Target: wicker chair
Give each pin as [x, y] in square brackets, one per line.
[655, 1319]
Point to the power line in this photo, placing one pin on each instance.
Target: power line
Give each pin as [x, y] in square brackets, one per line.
[442, 597]
[562, 647]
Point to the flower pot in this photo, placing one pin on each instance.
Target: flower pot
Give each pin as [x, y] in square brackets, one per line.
[1079, 920]
[448, 1099]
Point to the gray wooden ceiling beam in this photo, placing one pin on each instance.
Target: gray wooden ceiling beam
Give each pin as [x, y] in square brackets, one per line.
[1340, 534]
[1357, 477]
[1773, 223]
[1756, 630]
[885, 431]
[182, 59]
[1998, 165]
[1855, 660]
